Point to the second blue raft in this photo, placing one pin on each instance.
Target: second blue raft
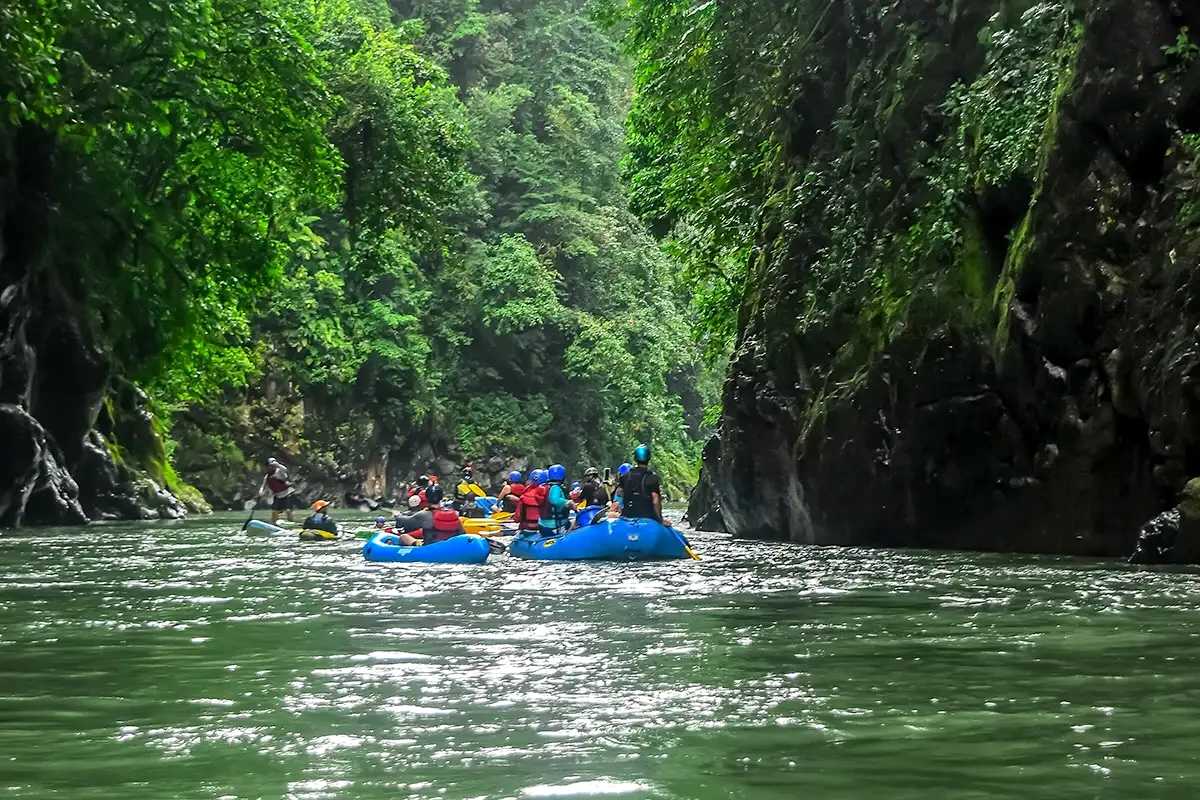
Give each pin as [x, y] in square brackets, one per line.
[616, 540]
[386, 548]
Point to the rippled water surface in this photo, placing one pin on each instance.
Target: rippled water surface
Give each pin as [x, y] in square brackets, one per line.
[190, 661]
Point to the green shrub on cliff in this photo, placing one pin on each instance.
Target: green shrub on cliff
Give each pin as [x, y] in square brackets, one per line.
[851, 175]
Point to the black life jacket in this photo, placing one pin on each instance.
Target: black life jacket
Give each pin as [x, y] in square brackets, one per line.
[637, 501]
[320, 522]
[595, 493]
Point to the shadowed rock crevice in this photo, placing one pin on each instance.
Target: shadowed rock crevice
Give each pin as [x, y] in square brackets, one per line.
[55, 379]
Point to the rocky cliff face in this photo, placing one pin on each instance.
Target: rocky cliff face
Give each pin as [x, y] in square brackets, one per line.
[1010, 357]
[76, 442]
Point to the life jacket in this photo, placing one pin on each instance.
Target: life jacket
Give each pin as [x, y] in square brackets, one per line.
[529, 509]
[512, 497]
[554, 517]
[636, 501]
[595, 493]
[320, 522]
[277, 480]
[445, 520]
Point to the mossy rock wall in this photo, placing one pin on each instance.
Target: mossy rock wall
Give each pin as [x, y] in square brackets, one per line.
[975, 323]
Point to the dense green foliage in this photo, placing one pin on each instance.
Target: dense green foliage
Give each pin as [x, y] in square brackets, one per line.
[399, 226]
[766, 154]
[190, 148]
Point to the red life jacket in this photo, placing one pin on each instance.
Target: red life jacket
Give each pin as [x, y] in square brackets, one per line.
[530, 509]
[445, 520]
[274, 484]
[517, 489]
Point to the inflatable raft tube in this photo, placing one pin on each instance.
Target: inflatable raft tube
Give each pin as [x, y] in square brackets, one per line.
[386, 549]
[615, 540]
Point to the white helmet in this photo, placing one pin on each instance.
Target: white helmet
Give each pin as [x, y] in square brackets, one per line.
[414, 501]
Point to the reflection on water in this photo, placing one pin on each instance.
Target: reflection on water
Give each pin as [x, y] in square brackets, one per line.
[190, 661]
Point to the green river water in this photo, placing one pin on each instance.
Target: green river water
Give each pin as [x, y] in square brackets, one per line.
[189, 661]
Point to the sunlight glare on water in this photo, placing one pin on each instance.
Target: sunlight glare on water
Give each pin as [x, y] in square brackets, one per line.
[187, 660]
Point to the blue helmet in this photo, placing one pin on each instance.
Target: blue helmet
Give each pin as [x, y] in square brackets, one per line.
[623, 470]
[537, 477]
[514, 477]
[558, 473]
[642, 454]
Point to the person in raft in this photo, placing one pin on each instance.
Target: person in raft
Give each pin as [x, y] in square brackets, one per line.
[554, 517]
[418, 518]
[446, 521]
[320, 520]
[594, 493]
[275, 483]
[641, 489]
[510, 493]
[616, 500]
[529, 504]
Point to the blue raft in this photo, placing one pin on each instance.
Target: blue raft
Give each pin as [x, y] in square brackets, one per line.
[617, 540]
[468, 549]
[587, 515]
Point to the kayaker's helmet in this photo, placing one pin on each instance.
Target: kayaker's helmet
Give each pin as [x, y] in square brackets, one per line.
[642, 454]
[320, 506]
[558, 473]
[514, 477]
[537, 477]
[623, 470]
[271, 462]
[414, 502]
[423, 480]
[591, 472]
[380, 522]
[434, 495]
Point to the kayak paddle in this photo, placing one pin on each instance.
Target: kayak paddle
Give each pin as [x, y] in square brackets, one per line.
[249, 505]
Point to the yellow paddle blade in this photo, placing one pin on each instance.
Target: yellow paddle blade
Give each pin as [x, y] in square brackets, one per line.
[691, 552]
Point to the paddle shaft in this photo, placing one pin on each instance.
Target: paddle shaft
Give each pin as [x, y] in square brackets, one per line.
[253, 508]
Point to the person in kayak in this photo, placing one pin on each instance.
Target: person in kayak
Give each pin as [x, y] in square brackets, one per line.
[641, 489]
[275, 482]
[320, 520]
[467, 492]
[554, 516]
[510, 493]
[529, 506]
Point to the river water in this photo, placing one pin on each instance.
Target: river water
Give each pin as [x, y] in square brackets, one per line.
[187, 660]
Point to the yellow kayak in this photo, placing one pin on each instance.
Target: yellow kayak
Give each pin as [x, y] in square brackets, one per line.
[486, 526]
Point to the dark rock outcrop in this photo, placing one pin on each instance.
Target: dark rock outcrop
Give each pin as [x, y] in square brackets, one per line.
[55, 466]
[1173, 537]
[1056, 407]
